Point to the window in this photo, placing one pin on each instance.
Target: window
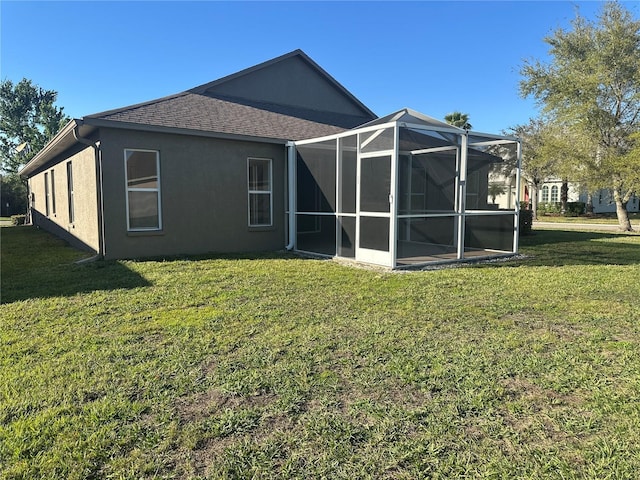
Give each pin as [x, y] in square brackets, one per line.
[143, 189]
[260, 195]
[554, 194]
[46, 193]
[545, 194]
[53, 194]
[70, 192]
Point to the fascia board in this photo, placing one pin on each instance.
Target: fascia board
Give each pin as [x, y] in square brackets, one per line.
[493, 137]
[59, 140]
[180, 131]
[346, 133]
[433, 128]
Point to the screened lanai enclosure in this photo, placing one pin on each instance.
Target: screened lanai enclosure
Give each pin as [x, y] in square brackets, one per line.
[405, 190]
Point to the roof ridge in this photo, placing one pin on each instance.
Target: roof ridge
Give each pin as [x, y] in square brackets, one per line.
[136, 105]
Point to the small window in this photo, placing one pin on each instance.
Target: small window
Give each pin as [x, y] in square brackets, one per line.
[70, 192]
[554, 194]
[545, 194]
[143, 189]
[47, 195]
[260, 192]
[53, 193]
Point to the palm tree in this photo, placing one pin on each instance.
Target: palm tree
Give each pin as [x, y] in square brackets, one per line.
[458, 119]
[495, 190]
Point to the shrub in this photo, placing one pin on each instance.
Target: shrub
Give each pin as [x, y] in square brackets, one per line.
[13, 195]
[525, 220]
[18, 219]
[575, 209]
[549, 208]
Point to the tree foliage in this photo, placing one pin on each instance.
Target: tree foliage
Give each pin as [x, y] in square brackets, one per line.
[13, 195]
[591, 91]
[458, 119]
[537, 163]
[28, 120]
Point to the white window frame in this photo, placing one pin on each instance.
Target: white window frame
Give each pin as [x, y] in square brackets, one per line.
[545, 194]
[260, 192]
[47, 194]
[71, 206]
[554, 194]
[138, 189]
[53, 192]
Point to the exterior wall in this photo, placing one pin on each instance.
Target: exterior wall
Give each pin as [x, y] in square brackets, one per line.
[603, 202]
[204, 196]
[508, 199]
[290, 82]
[83, 231]
[573, 195]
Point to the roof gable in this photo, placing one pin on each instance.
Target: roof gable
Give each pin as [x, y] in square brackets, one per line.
[292, 80]
[407, 115]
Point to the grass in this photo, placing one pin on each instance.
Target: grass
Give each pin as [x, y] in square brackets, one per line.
[272, 366]
[601, 218]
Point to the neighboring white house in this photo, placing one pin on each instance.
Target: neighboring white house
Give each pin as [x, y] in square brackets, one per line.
[602, 200]
[502, 191]
[549, 192]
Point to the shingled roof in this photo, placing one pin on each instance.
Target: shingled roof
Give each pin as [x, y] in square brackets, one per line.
[240, 105]
[208, 113]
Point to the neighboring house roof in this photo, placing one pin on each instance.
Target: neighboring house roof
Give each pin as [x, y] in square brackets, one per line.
[287, 98]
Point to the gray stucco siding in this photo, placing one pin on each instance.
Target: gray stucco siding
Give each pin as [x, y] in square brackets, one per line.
[290, 82]
[83, 231]
[204, 195]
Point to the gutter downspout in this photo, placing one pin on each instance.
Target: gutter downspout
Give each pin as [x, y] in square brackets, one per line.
[99, 197]
[291, 174]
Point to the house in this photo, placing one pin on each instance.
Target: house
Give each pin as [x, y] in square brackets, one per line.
[217, 168]
[549, 193]
[602, 201]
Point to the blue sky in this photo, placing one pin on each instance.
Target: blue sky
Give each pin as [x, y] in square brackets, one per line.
[434, 57]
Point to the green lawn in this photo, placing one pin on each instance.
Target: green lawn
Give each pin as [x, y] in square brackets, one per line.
[272, 366]
[602, 218]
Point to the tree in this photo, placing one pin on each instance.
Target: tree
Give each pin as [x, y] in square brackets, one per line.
[495, 190]
[537, 163]
[28, 120]
[13, 195]
[591, 89]
[458, 119]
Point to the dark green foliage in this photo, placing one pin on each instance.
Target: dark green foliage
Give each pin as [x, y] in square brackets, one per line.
[28, 120]
[575, 209]
[525, 220]
[549, 208]
[13, 195]
[458, 119]
[18, 220]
